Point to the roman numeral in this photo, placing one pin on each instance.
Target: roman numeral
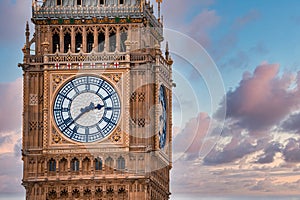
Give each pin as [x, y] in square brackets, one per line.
[108, 96]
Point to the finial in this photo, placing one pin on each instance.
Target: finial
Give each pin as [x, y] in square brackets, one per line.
[158, 4]
[27, 26]
[167, 51]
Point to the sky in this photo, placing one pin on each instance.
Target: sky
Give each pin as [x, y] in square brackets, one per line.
[236, 102]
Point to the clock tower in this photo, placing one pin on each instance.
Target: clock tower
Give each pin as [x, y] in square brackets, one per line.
[97, 116]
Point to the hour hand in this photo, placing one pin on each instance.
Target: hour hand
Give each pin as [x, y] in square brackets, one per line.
[99, 106]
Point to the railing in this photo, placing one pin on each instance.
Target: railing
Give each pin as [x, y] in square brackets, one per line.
[95, 58]
[85, 11]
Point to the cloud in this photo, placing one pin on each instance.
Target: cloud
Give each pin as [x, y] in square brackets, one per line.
[292, 123]
[198, 26]
[10, 174]
[262, 99]
[188, 141]
[201, 26]
[11, 106]
[13, 15]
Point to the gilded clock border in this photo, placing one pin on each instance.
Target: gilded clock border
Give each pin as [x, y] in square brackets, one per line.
[54, 80]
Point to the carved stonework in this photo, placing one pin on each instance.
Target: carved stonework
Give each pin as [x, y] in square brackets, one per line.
[33, 99]
[116, 136]
[58, 80]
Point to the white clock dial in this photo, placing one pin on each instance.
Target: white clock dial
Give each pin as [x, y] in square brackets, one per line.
[87, 109]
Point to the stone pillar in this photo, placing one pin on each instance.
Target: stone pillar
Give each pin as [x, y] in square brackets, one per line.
[84, 43]
[95, 39]
[61, 40]
[106, 46]
[73, 40]
[118, 39]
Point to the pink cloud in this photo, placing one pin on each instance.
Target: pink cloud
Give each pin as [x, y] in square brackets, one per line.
[11, 106]
[263, 98]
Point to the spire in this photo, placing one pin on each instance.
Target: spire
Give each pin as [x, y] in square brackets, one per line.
[27, 34]
[158, 4]
[167, 51]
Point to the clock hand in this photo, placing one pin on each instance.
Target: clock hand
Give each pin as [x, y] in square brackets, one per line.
[85, 110]
[99, 106]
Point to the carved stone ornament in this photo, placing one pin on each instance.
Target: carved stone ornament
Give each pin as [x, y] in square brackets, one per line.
[116, 136]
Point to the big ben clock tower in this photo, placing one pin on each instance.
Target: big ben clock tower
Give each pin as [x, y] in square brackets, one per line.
[97, 102]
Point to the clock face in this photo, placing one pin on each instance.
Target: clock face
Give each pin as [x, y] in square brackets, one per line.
[87, 109]
[163, 117]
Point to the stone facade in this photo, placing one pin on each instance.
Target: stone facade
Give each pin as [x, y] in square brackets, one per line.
[97, 38]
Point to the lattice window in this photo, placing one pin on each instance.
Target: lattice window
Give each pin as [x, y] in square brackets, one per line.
[33, 126]
[33, 99]
[133, 97]
[141, 122]
[141, 96]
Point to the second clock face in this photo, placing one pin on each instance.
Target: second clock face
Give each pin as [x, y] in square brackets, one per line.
[87, 109]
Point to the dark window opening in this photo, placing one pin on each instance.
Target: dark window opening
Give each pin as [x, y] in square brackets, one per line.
[59, 2]
[121, 163]
[52, 165]
[78, 42]
[101, 2]
[90, 42]
[109, 163]
[75, 165]
[101, 42]
[55, 42]
[123, 40]
[112, 42]
[98, 164]
[79, 2]
[63, 165]
[67, 42]
[121, 1]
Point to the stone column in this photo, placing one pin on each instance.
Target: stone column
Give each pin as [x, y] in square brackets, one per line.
[106, 46]
[73, 39]
[61, 40]
[84, 39]
[95, 39]
[118, 38]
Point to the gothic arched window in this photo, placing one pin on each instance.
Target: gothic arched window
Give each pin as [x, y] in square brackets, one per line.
[78, 42]
[63, 165]
[98, 164]
[121, 163]
[79, 2]
[109, 164]
[101, 2]
[123, 40]
[55, 42]
[112, 40]
[101, 41]
[59, 2]
[67, 42]
[90, 42]
[121, 1]
[75, 164]
[52, 165]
